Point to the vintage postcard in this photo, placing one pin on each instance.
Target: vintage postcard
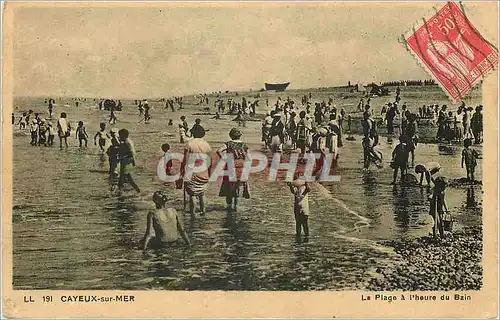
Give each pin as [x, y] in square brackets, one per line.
[250, 160]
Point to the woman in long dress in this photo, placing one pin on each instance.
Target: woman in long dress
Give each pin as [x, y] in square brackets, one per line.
[197, 184]
[232, 190]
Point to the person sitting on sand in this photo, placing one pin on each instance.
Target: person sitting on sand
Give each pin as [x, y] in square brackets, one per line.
[469, 158]
[126, 153]
[430, 171]
[400, 159]
[81, 133]
[102, 135]
[300, 190]
[163, 226]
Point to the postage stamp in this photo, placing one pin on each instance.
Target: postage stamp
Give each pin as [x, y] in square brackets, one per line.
[452, 50]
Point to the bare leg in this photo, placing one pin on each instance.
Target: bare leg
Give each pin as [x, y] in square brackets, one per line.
[201, 198]
[132, 183]
[305, 225]
[298, 225]
[191, 204]
[395, 175]
[235, 200]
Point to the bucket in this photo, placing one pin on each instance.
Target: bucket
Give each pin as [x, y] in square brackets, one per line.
[448, 222]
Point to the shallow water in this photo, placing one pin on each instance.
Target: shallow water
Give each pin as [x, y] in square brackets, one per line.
[71, 233]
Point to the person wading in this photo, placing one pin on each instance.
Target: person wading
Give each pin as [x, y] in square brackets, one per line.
[197, 184]
[232, 190]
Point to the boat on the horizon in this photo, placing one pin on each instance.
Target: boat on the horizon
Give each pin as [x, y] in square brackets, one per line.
[277, 86]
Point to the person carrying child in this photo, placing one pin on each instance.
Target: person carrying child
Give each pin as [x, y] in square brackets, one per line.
[469, 158]
[42, 133]
[81, 133]
[102, 135]
[163, 226]
[300, 190]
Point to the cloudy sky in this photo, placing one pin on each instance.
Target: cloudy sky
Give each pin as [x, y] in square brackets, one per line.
[172, 49]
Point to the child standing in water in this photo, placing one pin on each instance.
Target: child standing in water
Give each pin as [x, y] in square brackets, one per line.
[168, 165]
[34, 132]
[102, 135]
[300, 190]
[400, 159]
[81, 133]
[126, 153]
[51, 136]
[63, 130]
[438, 206]
[22, 121]
[113, 158]
[163, 225]
[469, 158]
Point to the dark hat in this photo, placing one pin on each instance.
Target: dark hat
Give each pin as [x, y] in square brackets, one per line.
[160, 197]
[235, 133]
[198, 131]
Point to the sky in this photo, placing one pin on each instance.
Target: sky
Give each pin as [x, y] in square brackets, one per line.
[160, 51]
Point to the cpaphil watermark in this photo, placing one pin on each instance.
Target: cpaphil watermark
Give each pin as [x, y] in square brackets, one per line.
[311, 167]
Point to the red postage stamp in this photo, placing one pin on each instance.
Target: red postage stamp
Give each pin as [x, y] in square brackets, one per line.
[452, 50]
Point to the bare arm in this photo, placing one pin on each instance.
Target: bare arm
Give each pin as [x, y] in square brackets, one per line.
[307, 190]
[182, 232]
[149, 231]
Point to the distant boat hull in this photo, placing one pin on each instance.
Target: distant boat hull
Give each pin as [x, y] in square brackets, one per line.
[277, 86]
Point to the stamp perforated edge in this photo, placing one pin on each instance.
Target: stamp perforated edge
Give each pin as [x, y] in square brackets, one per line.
[403, 39]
